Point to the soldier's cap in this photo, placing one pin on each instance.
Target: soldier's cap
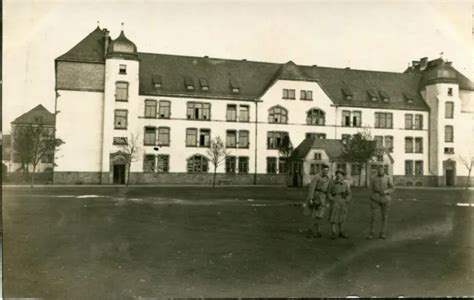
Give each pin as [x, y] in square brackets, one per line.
[341, 171]
[324, 166]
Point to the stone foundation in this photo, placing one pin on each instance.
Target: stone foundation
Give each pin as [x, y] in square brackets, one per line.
[77, 178]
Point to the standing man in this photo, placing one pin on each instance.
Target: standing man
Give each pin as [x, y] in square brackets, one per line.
[339, 195]
[381, 186]
[316, 202]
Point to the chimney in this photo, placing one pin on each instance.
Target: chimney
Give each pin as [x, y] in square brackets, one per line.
[106, 41]
[423, 63]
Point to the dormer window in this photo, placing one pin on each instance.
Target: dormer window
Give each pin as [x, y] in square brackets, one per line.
[372, 95]
[234, 85]
[157, 81]
[123, 69]
[189, 83]
[408, 98]
[384, 96]
[204, 84]
[347, 93]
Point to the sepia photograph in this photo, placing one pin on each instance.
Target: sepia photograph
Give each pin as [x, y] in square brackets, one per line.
[237, 149]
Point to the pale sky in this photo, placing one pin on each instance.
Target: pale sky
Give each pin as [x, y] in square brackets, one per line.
[371, 35]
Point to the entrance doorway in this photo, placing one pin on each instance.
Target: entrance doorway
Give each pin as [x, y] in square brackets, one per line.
[119, 174]
[449, 177]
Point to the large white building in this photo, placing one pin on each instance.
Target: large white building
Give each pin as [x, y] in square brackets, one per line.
[107, 91]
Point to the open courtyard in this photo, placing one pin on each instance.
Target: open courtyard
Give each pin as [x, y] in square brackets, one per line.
[118, 243]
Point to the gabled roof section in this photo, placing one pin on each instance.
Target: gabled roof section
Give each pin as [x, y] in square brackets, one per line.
[38, 115]
[90, 49]
[333, 148]
[290, 71]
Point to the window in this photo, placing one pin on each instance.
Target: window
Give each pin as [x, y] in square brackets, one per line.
[118, 140]
[306, 95]
[449, 110]
[355, 169]
[275, 139]
[149, 163]
[356, 118]
[419, 167]
[231, 114]
[244, 115]
[315, 116]
[448, 150]
[448, 134]
[204, 84]
[315, 168]
[277, 114]
[204, 137]
[317, 156]
[189, 83]
[450, 91]
[409, 167]
[384, 95]
[378, 141]
[315, 135]
[389, 143]
[408, 145]
[418, 145]
[383, 120]
[282, 165]
[243, 164]
[122, 69]
[157, 81]
[163, 163]
[346, 118]
[289, 94]
[191, 137]
[231, 139]
[234, 85]
[230, 164]
[163, 136]
[150, 136]
[150, 109]
[271, 165]
[408, 121]
[121, 91]
[418, 122]
[120, 119]
[199, 111]
[197, 164]
[372, 95]
[165, 109]
[243, 139]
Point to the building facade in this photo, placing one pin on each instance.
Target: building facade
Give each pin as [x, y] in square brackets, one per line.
[108, 92]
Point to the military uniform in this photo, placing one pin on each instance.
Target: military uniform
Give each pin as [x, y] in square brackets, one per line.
[339, 194]
[316, 201]
[381, 186]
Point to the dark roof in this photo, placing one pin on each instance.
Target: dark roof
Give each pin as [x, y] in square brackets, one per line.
[90, 49]
[38, 115]
[333, 148]
[220, 74]
[254, 78]
[430, 73]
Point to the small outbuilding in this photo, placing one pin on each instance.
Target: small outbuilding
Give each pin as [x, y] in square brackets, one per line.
[307, 159]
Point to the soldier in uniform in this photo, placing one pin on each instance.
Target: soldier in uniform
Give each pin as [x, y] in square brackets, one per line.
[339, 195]
[316, 202]
[381, 186]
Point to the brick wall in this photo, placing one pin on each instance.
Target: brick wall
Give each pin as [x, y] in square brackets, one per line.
[80, 76]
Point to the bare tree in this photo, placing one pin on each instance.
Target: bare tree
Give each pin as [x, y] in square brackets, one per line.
[131, 148]
[216, 154]
[33, 143]
[468, 161]
[286, 148]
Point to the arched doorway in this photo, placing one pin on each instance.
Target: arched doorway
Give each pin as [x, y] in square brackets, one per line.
[449, 170]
